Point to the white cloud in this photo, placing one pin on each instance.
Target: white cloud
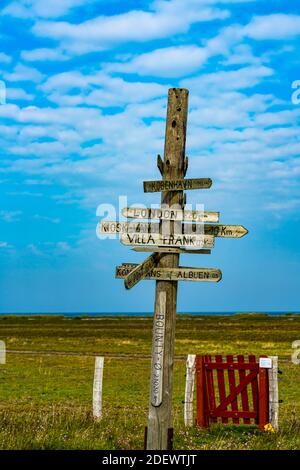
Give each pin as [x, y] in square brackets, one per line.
[42, 8]
[276, 26]
[10, 216]
[4, 58]
[99, 90]
[174, 61]
[5, 245]
[22, 73]
[44, 54]
[245, 77]
[165, 18]
[283, 205]
[52, 220]
[18, 94]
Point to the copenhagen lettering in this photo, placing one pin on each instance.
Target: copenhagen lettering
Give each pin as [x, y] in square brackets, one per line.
[176, 185]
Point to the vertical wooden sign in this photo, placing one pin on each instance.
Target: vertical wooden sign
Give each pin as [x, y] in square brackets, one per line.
[160, 417]
[158, 346]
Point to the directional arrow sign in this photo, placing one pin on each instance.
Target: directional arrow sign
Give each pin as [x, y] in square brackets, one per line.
[177, 241]
[181, 273]
[226, 231]
[170, 214]
[141, 270]
[176, 185]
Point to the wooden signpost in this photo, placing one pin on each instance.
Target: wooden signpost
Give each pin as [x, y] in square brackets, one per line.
[166, 240]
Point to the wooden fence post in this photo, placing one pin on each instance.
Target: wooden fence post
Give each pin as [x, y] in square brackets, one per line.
[189, 390]
[97, 388]
[273, 393]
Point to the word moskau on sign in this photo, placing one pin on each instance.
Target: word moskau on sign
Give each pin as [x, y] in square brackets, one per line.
[224, 231]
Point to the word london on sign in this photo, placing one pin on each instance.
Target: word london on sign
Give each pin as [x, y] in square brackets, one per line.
[166, 239]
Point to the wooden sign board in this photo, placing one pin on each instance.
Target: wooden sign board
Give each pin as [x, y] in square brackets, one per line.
[225, 231]
[141, 270]
[176, 240]
[181, 273]
[176, 185]
[158, 346]
[170, 214]
[164, 249]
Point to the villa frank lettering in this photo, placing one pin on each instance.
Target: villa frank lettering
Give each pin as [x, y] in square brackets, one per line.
[175, 240]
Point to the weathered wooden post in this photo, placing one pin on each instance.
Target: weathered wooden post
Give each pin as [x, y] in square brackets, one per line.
[189, 390]
[160, 412]
[273, 393]
[97, 388]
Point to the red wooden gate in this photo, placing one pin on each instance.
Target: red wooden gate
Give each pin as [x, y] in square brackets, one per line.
[241, 397]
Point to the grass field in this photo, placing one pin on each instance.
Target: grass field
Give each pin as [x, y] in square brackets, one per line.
[46, 383]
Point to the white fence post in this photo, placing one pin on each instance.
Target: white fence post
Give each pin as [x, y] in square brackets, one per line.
[189, 390]
[273, 393]
[97, 388]
[2, 352]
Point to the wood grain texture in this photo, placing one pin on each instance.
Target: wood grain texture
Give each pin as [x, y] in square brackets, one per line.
[163, 249]
[173, 239]
[176, 184]
[181, 273]
[141, 270]
[172, 213]
[211, 230]
[189, 390]
[160, 418]
[158, 346]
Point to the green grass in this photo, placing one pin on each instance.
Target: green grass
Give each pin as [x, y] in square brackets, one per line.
[45, 400]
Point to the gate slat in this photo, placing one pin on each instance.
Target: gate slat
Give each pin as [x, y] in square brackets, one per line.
[232, 396]
[210, 389]
[221, 384]
[254, 388]
[202, 412]
[231, 379]
[244, 393]
[232, 414]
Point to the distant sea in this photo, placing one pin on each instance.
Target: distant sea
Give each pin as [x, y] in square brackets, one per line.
[147, 314]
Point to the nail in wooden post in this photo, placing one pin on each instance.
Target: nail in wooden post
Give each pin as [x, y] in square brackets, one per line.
[160, 416]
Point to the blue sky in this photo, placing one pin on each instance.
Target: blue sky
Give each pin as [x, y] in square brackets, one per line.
[86, 91]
